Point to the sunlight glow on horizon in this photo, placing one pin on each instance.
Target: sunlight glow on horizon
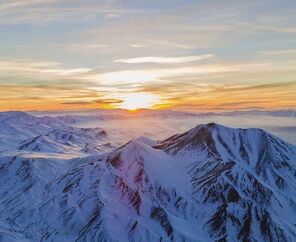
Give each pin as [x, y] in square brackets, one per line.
[134, 101]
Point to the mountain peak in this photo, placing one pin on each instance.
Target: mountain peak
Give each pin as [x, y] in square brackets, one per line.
[130, 152]
[148, 141]
[198, 136]
[220, 140]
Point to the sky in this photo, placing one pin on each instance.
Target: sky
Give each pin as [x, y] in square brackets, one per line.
[177, 54]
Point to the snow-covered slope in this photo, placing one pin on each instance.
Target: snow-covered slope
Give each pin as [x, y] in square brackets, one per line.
[212, 183]
[24, 132]
[247, 175]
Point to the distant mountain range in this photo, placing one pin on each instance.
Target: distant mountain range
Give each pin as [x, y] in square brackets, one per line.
[163, 113]
[211, 183]
[24, 132]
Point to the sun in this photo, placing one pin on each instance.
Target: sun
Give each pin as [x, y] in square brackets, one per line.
[134, 101]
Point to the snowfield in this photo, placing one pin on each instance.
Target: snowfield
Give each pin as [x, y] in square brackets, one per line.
[60, 181]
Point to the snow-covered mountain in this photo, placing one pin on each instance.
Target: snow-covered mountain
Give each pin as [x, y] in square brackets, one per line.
[211, 183]
[24, 132]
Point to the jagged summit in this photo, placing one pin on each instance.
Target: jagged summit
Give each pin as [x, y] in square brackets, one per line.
[148, 141]
[215, 137]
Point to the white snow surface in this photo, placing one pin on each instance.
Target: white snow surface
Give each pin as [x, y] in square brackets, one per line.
[61, 182]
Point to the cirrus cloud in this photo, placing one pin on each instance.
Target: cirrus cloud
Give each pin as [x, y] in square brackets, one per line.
[164, 60]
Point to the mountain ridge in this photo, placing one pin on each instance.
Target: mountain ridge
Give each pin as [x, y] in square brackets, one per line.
[211, 183]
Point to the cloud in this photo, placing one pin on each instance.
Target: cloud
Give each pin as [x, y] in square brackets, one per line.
[48, 11]
[138, 77]
[85, 46]
[112, 16]
[279, 52]
[226, 96]
[108, 101]
[164, 60]
[25, 64]
[77, 103]
[66, 72]
[162, 44]
[14, 4]
[197, 84]
[102, 102]
[17, 67]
